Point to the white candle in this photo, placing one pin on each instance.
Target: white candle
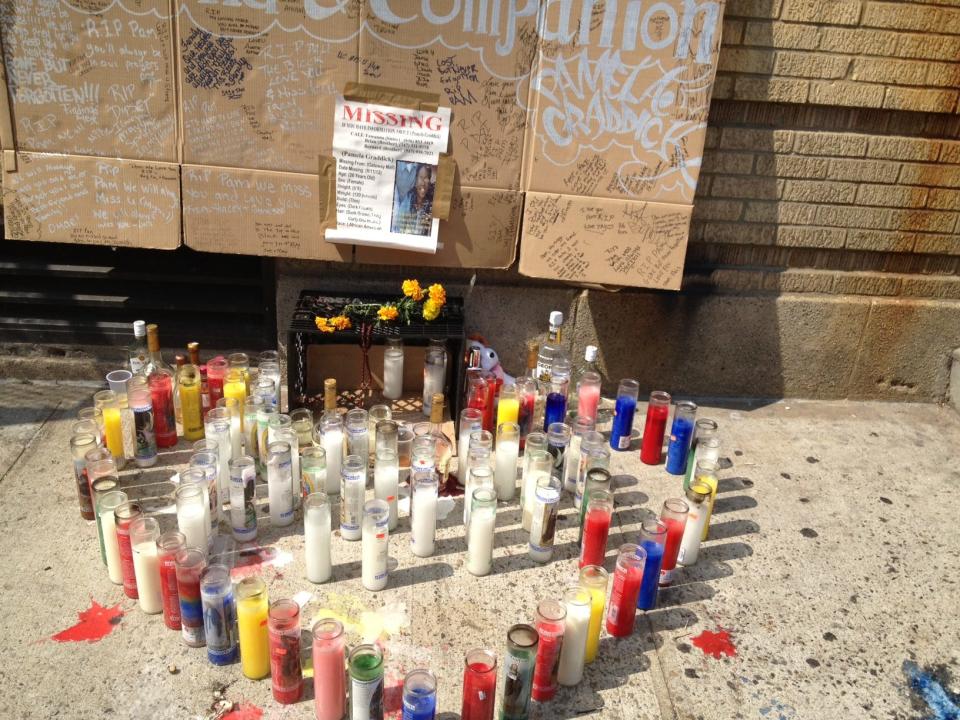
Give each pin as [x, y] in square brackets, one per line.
[110, 546]
[530, 494]
[393, 373]
[192, 522]
[692, 532]
[225, 452]
[333, 446]
[544, 520]
[574, 648]
[479, 476]
[146, 568]
[316, 538]
[571, 464]
[386, 486]
[506, 480]
[279, 489]
[374, 543]
[288, 435]
[423, 529]
[236, 436]
[480, 542]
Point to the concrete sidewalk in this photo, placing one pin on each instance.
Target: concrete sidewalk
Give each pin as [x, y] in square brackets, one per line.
[832, 566]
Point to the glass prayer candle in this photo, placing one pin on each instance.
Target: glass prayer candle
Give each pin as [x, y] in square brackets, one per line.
[353, 484]
[654, 427]
[216, 372]
[265, 389]
[627, 579]
[624, 409]
[191, 407]
[481, 389]
[508, 407]
[387, 435]
[316, 537]
[329, 686]
[275, 423]
[123, 517]
[169, 544]
[192, 513]
[313, 470]
[249, 428]
[375, 543]
[301, 420]
[527, 391]
[471, 420]
[141, 405]
[235, 413]
[419, 695]
[507, 454]
[219, 614]
[144, 534]
[703, 429]
[279, 487]
[252, 620]
[191, 562]
[204, 477]
[423, 514]
[698, 497]
[376, 415]
[549, 620]
[480, 533]
[479, 685]
[358, 434]
[80, 445]
[108, 403]
[588, 394]
[558, 441]
[479, 446]
[579, 429]
[707, 450]
[596, 479]
[537, 465]
[555, 408]
[286, 677]
[270, 370]
[86, 427]
[160, 383]
[594, 578]
[386, 482]
[543, 526]
[593, 453]
[217, 429]
[681, 433]
[674, 516]
[331, 428]
[573, 653]
[653, 535]
[393, 369]
[596, 528]
[98, 488]
[480, 476]
[522, 642]
[434, 375]
[404, 447]
[95, 415]
[365, 665]
[288, 436]
[106, 506]
[706, 473]
[243, 512]
[234, 383]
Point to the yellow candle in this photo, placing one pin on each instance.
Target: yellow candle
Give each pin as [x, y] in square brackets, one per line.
[113, 428]
[234, 386]
[598, 598]
[252, 610]
[711, 482]
[508, 410]
[190, 404]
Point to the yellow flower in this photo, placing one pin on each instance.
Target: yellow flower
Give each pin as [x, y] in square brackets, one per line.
[341, 322]
[387, 312]
[438, 295]
[323, 325]
[431, 310]
[412, 289]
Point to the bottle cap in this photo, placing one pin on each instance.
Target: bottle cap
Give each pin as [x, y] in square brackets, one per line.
[590, 354]
[556, 318]
[139, 328]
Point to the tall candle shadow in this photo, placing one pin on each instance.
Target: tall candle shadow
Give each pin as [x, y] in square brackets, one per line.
[412, 575]
[731, 484]
[732, 504]
[732, 528]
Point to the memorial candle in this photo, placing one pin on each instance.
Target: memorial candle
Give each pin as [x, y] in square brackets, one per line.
[555, 410]
[480, 533]
[594, 578]
[706, 473]
[140, 404]
[353, 483]
[252, 619]
[144, 534]
[219, 614]
[573, 653]
[95, 415]
[191, 561]
[471, 420]
[204, 477]
[217, 427]
[234, 384]
[580, 428]
[627, 578]
[654, 428]
[250, 429]
[588, 394]
[624, 409]
[386, 482]
[393, 369]
[508, 406]
[123, 516]
[674, 516]
[216, 372]
[594, 453]
[169, 544]
[373, 566]
[596, 528]
[108, 403]
[703, 429]
[480, 476]
[527, 394]
[508, 451]
[543, 524]
[537, 465]
[80, 445]
[698, 495]
[106, 506]
[286, 677]
[332, 437]
[329, 682]
[707, 450]
[313, 470]
[279, 488]
[479, 685]
[423, 523]
[522, 642]
[419, 695]
[366, 683]
[160, 383]
[316, 537]
[434, 375]
[358, 435]
[653, 535]
[235, 412]
[549, 620]
[191, 406]
[100, 487]
[597, 479]
[681, 433]
[192, 515]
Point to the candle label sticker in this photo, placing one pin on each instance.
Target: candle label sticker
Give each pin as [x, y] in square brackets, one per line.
[219, 625]
[243, 514]
[366, 698]
[83, 485]
[285, 660]
[543, 527]
[518, 683]
[143, 426]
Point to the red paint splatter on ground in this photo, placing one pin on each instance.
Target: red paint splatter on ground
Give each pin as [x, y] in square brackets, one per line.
[250, 561]
[244, 711]
[393, 700]
[95, 623]
[715, 644]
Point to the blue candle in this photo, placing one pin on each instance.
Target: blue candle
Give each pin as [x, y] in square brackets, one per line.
[652, 536]
[624, 410]
[681, 434]
[555, 409]
[420, 696]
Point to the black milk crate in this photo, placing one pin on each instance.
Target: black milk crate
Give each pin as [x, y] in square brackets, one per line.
[305, 383]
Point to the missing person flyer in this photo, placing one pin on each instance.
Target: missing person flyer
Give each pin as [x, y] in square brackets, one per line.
[386, 174]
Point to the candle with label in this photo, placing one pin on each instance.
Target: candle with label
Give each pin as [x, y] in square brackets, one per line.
[627, 579]
[286, 677]
[596, 528]
[366, 683]
[386, 482]
[419, 695]
[594, 578]
[219, 614]
[329, 684]
[549, 620]
[508, 452]
[573, 653]
[144, 533]
[373, 566]
[653, 535]
[480, 532]
[655, 427]
[169, 544]
[681, 433]
[674, 516]
[479, 685]
[123, 517]
[316, 537]
[537, 465]
[353, 483]
[544, 522]
[624, 409]
[522, 642]
[698, 497]
[252, 612]
[423, 524]
[706, 474]
[190, 562]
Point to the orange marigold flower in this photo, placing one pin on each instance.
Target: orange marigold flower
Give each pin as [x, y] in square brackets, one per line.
[431, 310]
[412, 289]
[387, 312]
[323, 325]
[438, 294]
[341, 322]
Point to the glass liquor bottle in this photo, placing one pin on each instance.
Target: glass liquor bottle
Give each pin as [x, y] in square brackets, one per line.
[155, 357]
[589, 364]
[443, 444]
[552, 349]
[139, 354]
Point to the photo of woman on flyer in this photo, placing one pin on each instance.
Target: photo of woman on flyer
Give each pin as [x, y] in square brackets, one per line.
[413, 198]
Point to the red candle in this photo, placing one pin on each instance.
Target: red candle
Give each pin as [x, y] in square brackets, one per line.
[479, 685]
[674, 516]
[596, 528]
[283, 627]
[216, 371]
[658, 410]
[550, 621]
[169, 544]
[161, 395]
[124, 515]
[492, 386]
[626, 588]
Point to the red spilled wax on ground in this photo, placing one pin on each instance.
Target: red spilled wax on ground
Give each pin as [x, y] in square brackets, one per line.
[95, 623]
[393, 697]
[715, 644]
[244, 711]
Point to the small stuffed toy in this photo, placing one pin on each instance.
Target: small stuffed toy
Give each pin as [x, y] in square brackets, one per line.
[489, 360]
